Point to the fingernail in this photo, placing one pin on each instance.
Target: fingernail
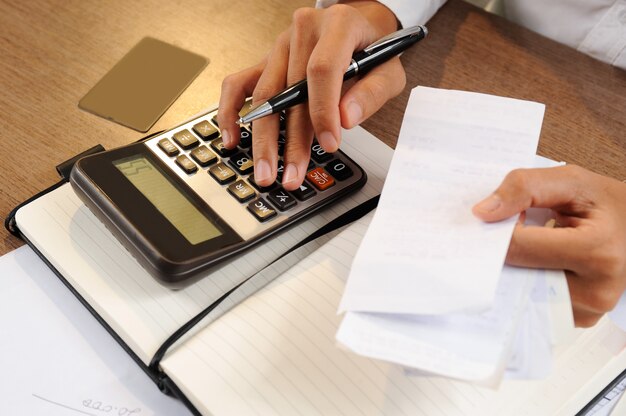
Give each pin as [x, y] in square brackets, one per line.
[355, 113]
[327, 141]
[291, 173]
[226, 137]
[489, 204]
[262, 170]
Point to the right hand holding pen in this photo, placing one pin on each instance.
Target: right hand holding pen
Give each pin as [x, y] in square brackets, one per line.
[318, 46]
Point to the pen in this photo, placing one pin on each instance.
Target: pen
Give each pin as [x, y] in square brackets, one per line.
[375, 54]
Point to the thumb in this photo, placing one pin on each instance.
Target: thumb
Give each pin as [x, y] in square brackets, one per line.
[525, 188]
[370, 92]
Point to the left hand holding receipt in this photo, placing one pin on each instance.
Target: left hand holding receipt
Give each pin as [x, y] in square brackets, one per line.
[589, 242]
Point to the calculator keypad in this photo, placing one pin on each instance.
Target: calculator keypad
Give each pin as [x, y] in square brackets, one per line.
[232, 169]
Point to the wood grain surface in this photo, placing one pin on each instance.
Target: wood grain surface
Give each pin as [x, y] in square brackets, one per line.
[52, 52]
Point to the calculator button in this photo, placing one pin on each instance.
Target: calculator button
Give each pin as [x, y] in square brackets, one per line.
[203, 156]
[241, 190]
[338, 169]
[206, 130]
[245, 138]
[281, 199]
[168, 147]
[283, 120]
[222, 173]
[318, 154]
[214, 120]
[261, 209]
[304, 192]
[320, 178]
[259, 187]
[186, 163]
[185, 139]
[242, 163]
[247, 106]
[218, 146]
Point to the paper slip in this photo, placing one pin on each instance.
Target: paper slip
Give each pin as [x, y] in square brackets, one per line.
[425, 253]
[473, 347]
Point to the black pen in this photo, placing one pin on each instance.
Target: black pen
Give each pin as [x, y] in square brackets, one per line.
[375, 54]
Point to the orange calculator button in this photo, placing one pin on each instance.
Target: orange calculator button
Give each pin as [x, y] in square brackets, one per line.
[320, 178]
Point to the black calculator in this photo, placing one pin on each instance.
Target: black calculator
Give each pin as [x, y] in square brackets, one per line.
[181, 202]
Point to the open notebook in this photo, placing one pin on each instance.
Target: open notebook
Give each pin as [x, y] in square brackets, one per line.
[270, 348]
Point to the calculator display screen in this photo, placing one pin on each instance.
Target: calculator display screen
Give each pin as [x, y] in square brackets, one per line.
[167, 199]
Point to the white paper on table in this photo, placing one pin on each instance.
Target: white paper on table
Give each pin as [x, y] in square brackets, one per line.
[57, 359]
[454, 149]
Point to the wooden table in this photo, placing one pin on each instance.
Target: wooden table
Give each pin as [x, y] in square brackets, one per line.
[53, 52]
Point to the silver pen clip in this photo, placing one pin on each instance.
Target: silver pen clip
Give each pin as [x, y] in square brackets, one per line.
[395, 36]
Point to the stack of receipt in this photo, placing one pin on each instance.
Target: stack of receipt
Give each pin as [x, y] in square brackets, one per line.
[428, 288]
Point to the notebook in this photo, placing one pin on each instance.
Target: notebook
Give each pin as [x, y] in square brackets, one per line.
[269, 348]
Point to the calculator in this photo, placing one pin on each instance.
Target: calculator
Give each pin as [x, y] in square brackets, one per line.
[180, 202]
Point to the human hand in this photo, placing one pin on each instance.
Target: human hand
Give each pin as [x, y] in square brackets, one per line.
[589, 242]
[318, 46]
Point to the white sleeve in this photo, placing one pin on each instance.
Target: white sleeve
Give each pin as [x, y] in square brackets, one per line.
[408, 12]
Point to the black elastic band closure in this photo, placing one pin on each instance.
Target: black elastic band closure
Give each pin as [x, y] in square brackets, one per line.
[344, 219]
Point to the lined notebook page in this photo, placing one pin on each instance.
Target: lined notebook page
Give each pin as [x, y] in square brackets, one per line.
[139, 309]
[275, 354]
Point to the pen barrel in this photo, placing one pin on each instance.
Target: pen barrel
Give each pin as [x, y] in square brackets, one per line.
[293, 95]
[368, 60]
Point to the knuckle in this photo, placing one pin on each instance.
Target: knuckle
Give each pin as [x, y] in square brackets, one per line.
[302, 17]
[602, 300]
[340, 11]
[517, 179]
[321, 114]
[262, 93]
[320, 67]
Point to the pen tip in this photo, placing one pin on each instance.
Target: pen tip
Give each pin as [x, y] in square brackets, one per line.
[239, 122]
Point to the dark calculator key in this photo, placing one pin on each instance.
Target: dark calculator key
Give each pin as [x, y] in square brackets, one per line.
[280, 170]
[168, 147]
[283, 120]
[261, 209]
[320, 178]
[203, 156]
[339, 170]
[218, 146]
[222, 173]
[318, 154]
[281, 144]
[186, 164]
[241, 190]
[242, 163]
[259, 187]
[186, 139]
[281, 199]
[206, 130]
[245, 138]
[304, 192]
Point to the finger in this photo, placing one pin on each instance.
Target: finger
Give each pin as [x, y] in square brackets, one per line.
[371, 92]
[299, 138]
[235, 89]
[342, 32]
[299, 132]
[547, 248]
[525, 188]
[265, 130]
[590, 301]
